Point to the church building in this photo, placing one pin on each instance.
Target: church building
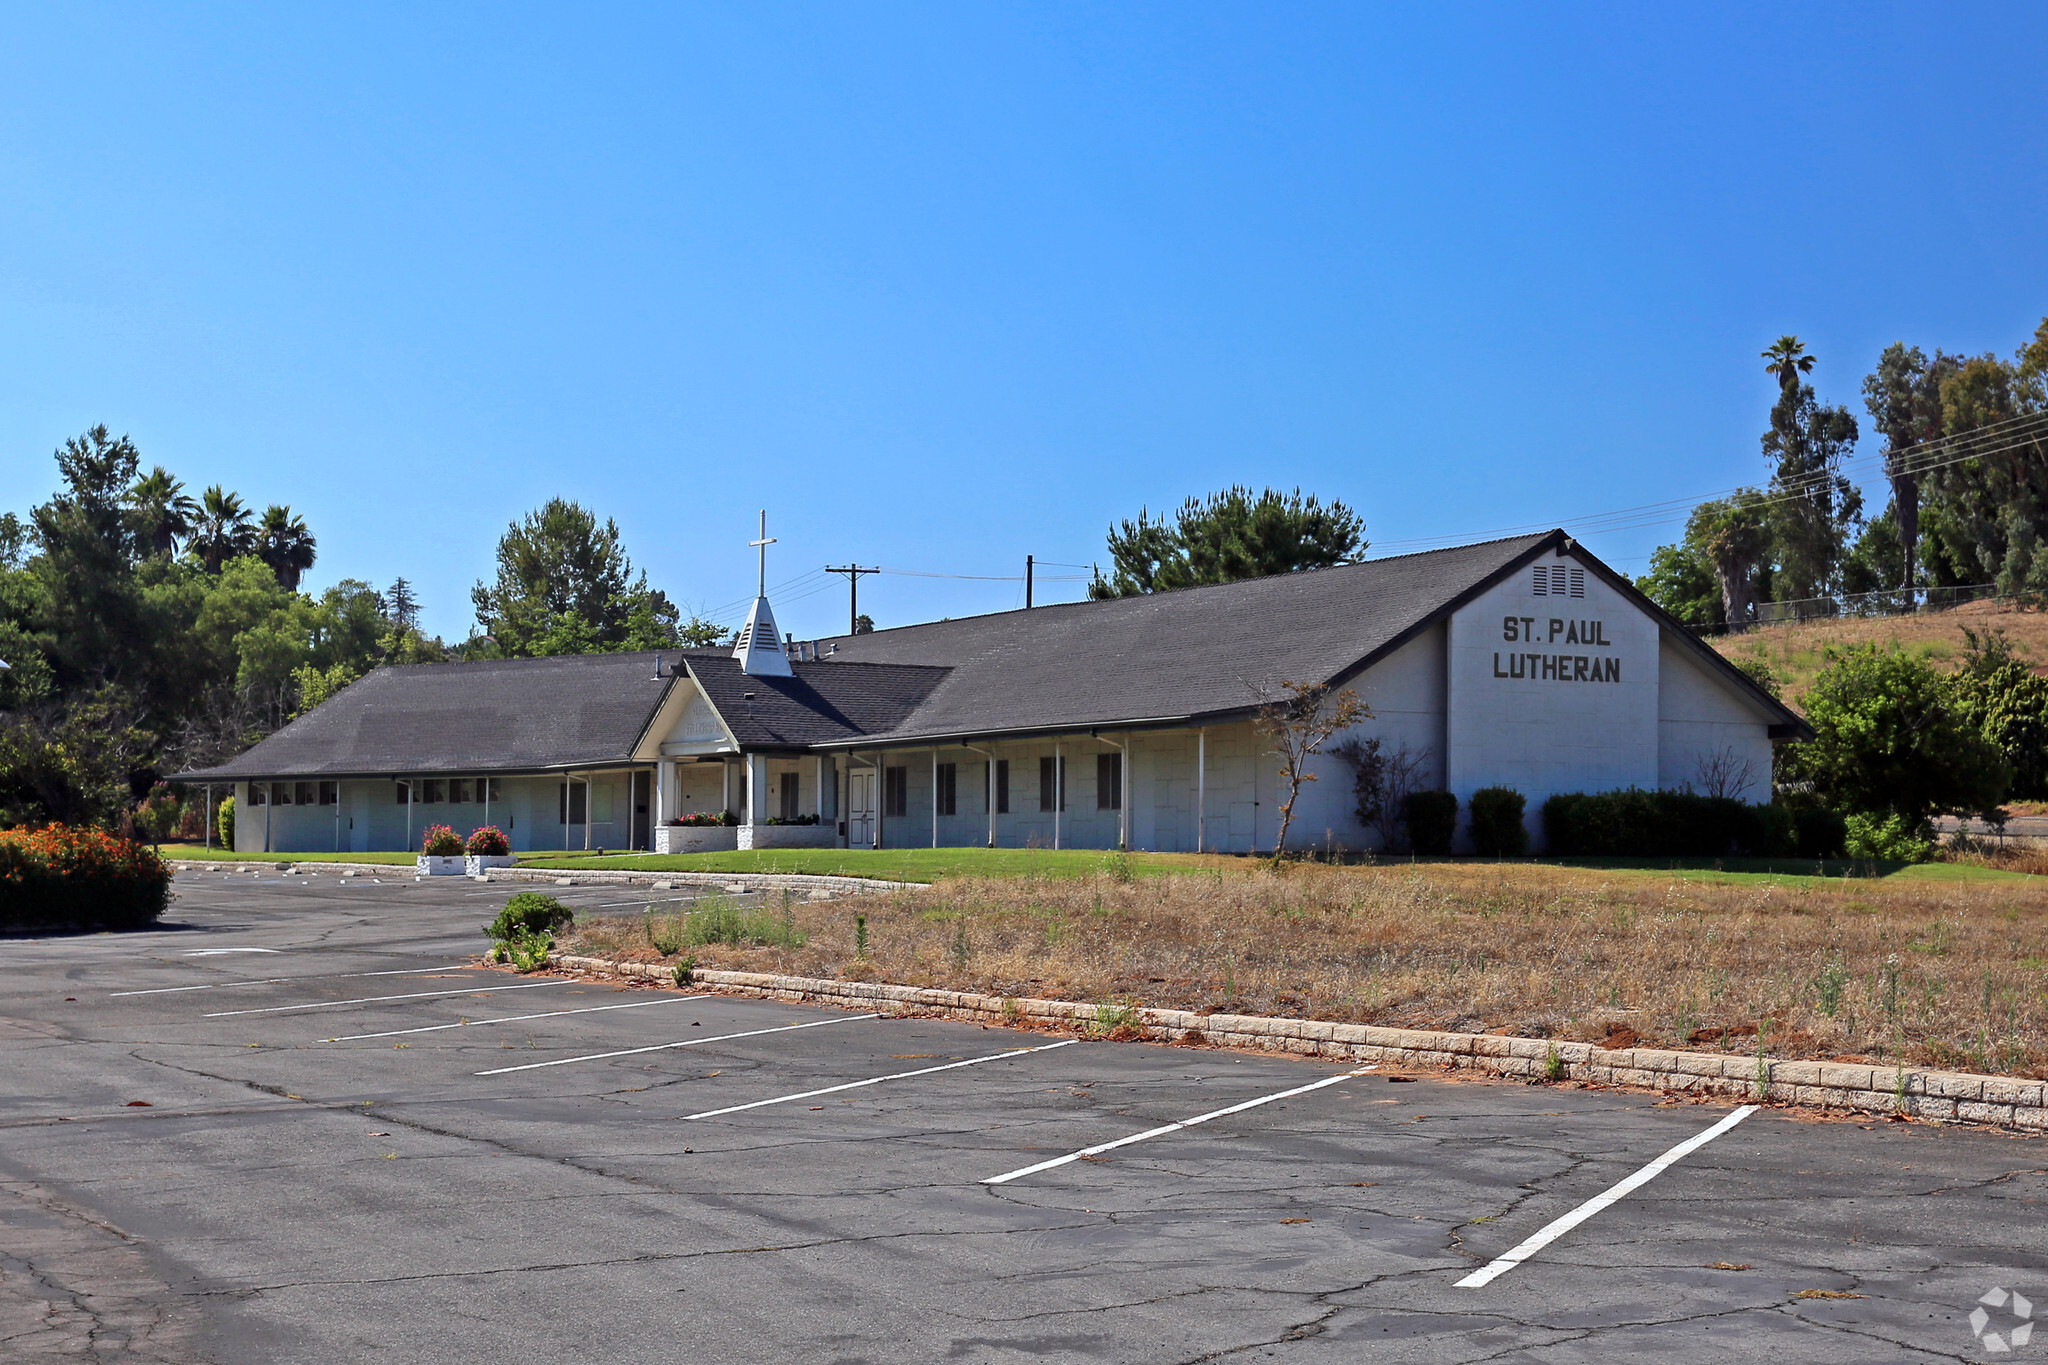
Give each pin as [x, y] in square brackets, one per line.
[1523, 663]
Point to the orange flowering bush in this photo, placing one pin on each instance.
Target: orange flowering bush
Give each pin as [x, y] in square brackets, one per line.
[60, 875]
[441, 841]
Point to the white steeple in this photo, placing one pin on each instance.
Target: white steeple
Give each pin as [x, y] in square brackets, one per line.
[759, 648]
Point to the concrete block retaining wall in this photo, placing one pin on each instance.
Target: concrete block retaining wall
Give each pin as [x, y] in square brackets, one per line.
[1945, 1096]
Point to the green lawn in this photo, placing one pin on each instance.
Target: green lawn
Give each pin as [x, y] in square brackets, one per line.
[929, 864]
[898, 864]
[216, 854]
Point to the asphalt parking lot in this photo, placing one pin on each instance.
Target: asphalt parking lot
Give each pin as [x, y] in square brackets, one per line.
[295, 1125]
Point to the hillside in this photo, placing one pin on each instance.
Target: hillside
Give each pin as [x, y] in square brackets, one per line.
[1796, 651]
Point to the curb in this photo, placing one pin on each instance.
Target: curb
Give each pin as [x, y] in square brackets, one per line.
[655, 881]
[1934, 1096]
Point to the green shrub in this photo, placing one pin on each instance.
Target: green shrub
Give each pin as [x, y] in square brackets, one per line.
[225, 824]
[530, 912]
[63, 877]
[1432, 820]
[1888, 838]
[1634, 823]
[528, 950]
[1497, 829]
[1819, 833]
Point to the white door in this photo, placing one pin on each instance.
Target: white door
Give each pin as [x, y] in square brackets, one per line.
[860, 809]
[358, 816]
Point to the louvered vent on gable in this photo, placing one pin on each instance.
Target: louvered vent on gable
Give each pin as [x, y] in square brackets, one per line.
[1540, 583]
[1578, 582]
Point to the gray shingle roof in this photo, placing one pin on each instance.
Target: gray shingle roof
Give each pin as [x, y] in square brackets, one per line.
[1170, 655]
[508, 715]
[822, 703]
[1196, 653]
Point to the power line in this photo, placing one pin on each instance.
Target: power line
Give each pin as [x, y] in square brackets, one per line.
[1916, 460]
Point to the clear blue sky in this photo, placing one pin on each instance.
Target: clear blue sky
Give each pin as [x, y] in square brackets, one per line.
[943, 285]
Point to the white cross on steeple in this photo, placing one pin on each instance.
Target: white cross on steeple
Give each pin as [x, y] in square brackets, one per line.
[761, 588]
[759, 647]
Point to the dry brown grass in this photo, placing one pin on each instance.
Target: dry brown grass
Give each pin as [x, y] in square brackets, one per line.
[1796, 651]
[1948, 974]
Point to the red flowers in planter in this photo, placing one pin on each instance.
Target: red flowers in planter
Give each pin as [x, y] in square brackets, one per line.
[488, 841]
[441, 841]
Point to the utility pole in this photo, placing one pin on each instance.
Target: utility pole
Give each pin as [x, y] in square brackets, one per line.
[853, 573]
[1029, 563]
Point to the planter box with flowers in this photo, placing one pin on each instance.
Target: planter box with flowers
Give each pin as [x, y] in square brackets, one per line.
[804, 831]
[486, 847]
[440, 853]
[700, 832]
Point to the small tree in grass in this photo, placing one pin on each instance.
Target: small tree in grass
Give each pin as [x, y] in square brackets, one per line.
[1299, 720]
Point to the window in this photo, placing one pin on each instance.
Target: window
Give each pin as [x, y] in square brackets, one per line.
[458, 790]
[789, 796]
[434, 791]
[1047, 784]
[280, 793]
[1002, 786]
[259, 795]
[305, 794]
[896, 791]
[330, 793]
[401, 793]
[1109, 782]
[491, 792]
[947, 797]
[570, 808]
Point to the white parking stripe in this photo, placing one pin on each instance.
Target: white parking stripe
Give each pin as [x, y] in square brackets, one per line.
[877, 1080]
[1164, 1129]
[309, 976]
[688, 1042]
[1487, 1274]
[517, 1018]
[379, 999]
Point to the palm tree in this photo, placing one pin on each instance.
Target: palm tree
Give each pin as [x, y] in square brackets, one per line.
[284, 543]
[1788, 359]
[222, 530]
[164, 512]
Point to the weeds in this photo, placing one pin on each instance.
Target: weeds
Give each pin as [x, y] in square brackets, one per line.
[528, 951]
[1840, 973]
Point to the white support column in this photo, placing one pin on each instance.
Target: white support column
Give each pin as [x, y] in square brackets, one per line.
[757, 788]
[1123, 796]
[818, 789]
[1059, 791]
[881, 797]
[1201, 791]
[935, 798]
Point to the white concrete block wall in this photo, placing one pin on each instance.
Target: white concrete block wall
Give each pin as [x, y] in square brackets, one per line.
[1699, 716]
[1523, 708]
